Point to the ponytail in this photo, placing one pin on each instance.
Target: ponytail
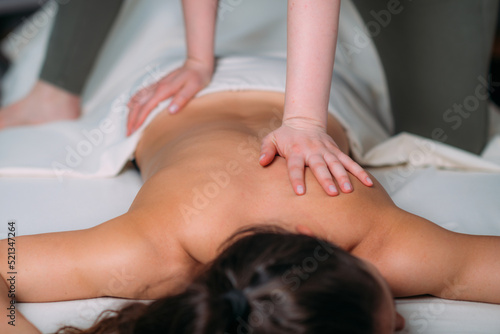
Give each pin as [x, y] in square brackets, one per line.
[256, 286]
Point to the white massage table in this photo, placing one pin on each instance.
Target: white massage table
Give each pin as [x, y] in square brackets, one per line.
[464, 199]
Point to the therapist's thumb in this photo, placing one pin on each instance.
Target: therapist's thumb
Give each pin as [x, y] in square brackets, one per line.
[267, 151]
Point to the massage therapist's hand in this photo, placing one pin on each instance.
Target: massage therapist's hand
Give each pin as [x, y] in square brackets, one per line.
[305, 143]
[181, 85]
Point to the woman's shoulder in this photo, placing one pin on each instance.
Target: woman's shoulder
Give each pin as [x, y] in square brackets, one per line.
[142, 257]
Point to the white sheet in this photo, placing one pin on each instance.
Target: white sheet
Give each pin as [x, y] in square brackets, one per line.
[460, 201]
[465, 201]
[251, 49]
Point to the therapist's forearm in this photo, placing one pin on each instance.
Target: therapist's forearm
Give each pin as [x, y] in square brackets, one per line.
[200, 18]
[312, 38]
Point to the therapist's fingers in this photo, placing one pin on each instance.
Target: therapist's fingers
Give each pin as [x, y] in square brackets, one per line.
[146, 100]
[322, 173]
[162, 92]
[268, 150]
[135, 104]
[355, 169]
[184, 95]
[338, 171]
[295, 164]
[143, 96]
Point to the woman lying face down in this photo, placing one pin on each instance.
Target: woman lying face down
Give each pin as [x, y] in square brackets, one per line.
[268, 281]
[202, 185]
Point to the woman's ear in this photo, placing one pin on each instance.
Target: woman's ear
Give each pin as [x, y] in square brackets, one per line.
[302, 229]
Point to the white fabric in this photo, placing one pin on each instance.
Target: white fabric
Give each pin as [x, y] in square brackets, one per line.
[461, 201]
[251, 48]
[148, 40]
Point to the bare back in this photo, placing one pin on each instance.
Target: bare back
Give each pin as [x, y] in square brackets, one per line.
[203, 182]
[202, 167]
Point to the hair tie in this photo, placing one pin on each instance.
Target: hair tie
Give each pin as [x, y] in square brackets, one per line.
[239, 302]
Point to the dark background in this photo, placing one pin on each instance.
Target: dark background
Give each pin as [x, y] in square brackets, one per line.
[14, 12]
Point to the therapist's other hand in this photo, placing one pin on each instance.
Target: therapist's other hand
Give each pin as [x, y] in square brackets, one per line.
[303, 143]
[181, 85]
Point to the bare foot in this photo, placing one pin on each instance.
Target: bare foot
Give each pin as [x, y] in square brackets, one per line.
[45, 103]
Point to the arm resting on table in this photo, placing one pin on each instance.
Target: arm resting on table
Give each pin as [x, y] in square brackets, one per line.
[418, 257]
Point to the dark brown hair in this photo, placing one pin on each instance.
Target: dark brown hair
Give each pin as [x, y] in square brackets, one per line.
[289, 283]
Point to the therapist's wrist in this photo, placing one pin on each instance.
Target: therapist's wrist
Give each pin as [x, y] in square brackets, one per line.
[305, 108]
[305, 123]
[203, 69]
[207, 64]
